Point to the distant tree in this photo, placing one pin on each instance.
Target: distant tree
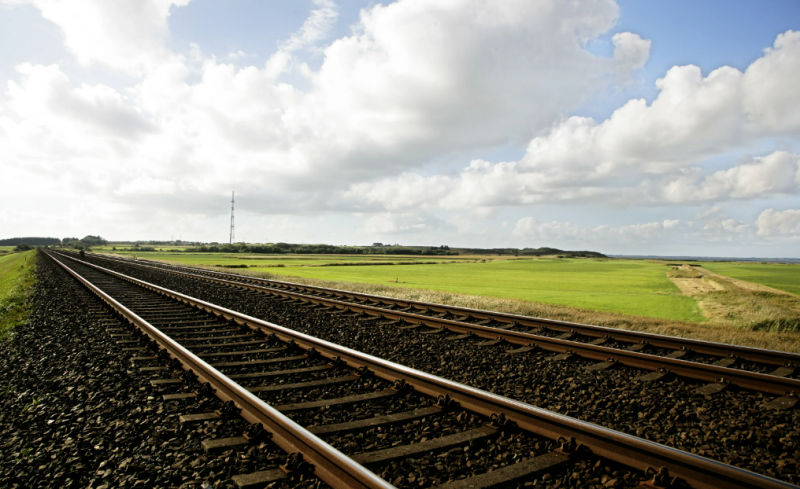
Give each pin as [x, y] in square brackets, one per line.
[23, 247]
[94, 241]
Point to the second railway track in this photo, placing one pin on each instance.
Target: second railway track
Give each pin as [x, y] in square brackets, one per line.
[460, 422]
[720, 365]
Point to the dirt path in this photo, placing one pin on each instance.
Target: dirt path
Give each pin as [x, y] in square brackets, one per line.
[736, 303]
[708, 281]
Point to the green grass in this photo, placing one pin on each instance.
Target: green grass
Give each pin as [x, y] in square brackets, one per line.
[16, 278]
[267, 261]
[780, 276]
[624, 286]
[110, 247]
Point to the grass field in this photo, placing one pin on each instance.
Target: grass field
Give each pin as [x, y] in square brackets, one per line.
[624, 286]
[267, 261]
[780, 276]
[110, 247]
[16, 278]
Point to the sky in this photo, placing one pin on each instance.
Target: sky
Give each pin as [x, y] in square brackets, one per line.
[629, 127]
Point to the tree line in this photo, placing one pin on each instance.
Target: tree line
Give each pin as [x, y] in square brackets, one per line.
[32, 241]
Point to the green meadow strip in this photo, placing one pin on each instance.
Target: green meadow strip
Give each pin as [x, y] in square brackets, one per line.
[17, 275]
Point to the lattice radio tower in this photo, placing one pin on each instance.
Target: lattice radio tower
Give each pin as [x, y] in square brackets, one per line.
[233, 234]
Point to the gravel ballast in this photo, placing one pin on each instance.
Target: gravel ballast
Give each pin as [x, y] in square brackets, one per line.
[75, 413]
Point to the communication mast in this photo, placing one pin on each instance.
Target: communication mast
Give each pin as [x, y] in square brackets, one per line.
[233, 235]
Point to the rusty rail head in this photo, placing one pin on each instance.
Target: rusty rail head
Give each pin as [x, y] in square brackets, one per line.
[759, 355]
[769, 384]
[640, 454]
[330, 465]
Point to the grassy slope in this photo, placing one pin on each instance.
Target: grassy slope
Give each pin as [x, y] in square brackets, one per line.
[16, 278]
[780, 276]
[624, 286]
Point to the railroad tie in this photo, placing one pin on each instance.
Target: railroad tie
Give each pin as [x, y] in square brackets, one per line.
[610, 363]
[369, 423]
[783, 371]
[459, 337]
[510, 474]
[678, 354]
[260, 479]
[711, 389]
[143, 359]
[725, 362]
[158, 382]
[782, 403]
[412, 326]
[304, 385]
[179, 397]
[199, 417]
[216, 444]
[358, 398]
[522, 349]
[260, 362]
[242, 352]
[276, 373]
[653, 376]
[563, 356]
[402, 451]
[218, 345]
[152, 369]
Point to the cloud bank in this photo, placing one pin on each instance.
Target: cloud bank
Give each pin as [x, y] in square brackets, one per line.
[413, 84]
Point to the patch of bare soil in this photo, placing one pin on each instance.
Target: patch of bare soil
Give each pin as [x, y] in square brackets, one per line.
[737, 303]
[693, 281]
[695, 286]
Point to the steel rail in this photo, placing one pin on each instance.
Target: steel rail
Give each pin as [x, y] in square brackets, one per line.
[699, 472]
[769, 384]
[758, 355]
[330, 465]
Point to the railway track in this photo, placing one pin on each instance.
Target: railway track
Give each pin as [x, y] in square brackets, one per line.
[718, 365]
[410, 416]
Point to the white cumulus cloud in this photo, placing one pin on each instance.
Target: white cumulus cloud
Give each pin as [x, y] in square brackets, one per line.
[642, 153]
[529, 227]
[126, 35]
[630, 53]
[780, 223]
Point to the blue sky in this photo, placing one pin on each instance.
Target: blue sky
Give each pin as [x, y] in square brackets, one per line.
[465, 123]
